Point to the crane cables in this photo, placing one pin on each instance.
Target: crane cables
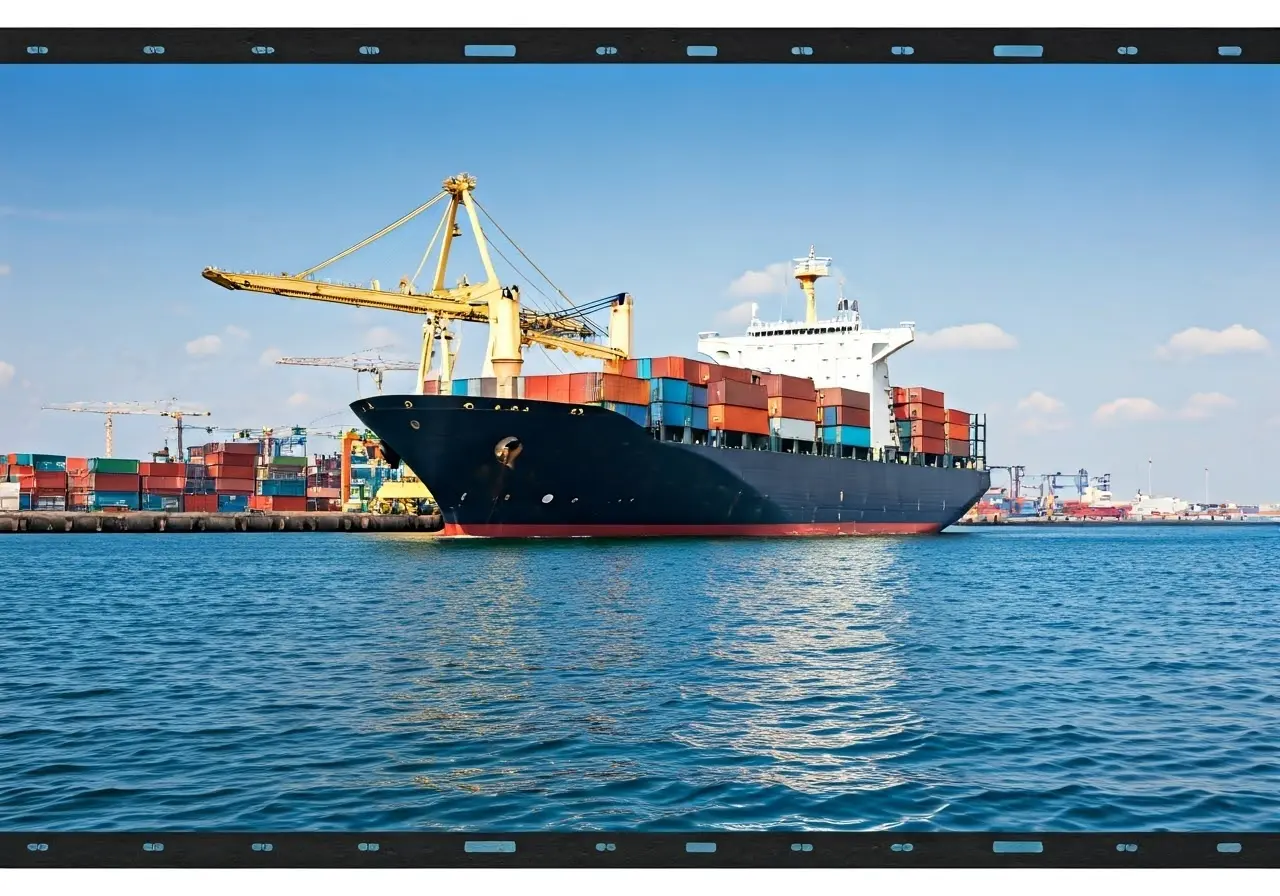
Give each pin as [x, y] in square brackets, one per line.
[381, 233]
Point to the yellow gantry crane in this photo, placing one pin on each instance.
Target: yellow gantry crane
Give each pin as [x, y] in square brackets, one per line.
[376, 367]
[111, 409]
[511, 327]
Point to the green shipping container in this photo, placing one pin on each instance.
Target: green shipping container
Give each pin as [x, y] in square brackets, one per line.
[112, 465]
[288, 461]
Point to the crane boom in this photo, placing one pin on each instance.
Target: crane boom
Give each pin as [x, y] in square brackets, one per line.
[375, 366]
[110, 410]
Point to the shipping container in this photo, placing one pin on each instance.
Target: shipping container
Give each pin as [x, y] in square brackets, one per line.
[794, 408]
[737, 418]
[844, 398]
[955, 416]
[51, 503]
[49, 463]
[165, 503]
[535, 388]
[284, 488]
[671, 414]
[77, 465]
[958, 431]
[921, 395]
[20, 460]
[614, 387]
[46, 480]
[671, 391]
[740, 395]
[238, 448]
[854, 436]
[287, 460]
[233, 503]
[459, 387]
[846, 416]
[163, 485]
[24, 501]
[101, 500]
[324, 492]
[929, 412]
[922, 445]
[780, 385]
[958, 447]
[640, 368]
[902, 412]
[431, 387]
[698, 396]
[701, 418]
[200, 503]
[799, 429]
[560, 388]
[112, 465]
[234, 486]
[178, 470]
[928, 429]
[672, 368]
[114, 482]
[636, 413]
[735, 374]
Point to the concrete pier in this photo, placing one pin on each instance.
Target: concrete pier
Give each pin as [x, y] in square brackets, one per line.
[146, 521]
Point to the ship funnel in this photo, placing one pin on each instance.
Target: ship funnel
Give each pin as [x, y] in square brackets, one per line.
[808, 271]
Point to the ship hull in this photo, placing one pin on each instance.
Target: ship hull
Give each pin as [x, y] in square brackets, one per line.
[573, 471]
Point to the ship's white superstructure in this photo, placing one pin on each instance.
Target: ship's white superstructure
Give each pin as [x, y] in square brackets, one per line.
[837, 352]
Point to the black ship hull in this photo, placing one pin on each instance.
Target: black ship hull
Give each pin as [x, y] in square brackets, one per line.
[513, 468]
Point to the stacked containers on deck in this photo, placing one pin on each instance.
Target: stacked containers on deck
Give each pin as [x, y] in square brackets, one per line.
[845, 417]
[281, 485]
[625, 395]
[793, 407]
[231, 467]
[959, 434]
[926, 413]
[324, 483]
[671, 403]
[109, 483]
[737, 406]
[162, 486]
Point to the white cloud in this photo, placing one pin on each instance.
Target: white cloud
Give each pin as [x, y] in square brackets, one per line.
[7, 371]
[298, 399]
[1038, 425]
[1128, 409]
[737, 316]
[380, 337]
[1203, 405]
[270, 356]
[773, 280]
[980, 337]
[5, 270]
[1199, 341]
[1040, 403]
[237, 332]
[205, 345]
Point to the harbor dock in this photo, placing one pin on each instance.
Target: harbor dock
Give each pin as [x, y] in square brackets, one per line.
[143, 521]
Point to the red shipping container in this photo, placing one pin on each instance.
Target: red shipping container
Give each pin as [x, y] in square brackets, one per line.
[162, 469]
[779, 385]
[929, 412]
[20, 470]
[844, 398]
[49, 481]
[238, 461]
[793, 408]
[77, 464]
[739, 419]
[158, 485]
[740, 395]
[233, 486]
[846, 416]
[900, 395]
[240, 448]
[958, 431]
[736, 374]
[955, 416]
[115, 482]
[672, 368]
[705, 372]
[430, 387]
[902, 412]
[535, 388]
[629, 367]
[928, 429]
[279, 503]
[560, 388]
[921, 445]
[921, 395]
[957, 447]
[200, 503]
[621, 389]
[582, 387]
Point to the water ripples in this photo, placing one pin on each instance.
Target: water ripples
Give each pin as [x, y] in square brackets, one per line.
[1021, 680]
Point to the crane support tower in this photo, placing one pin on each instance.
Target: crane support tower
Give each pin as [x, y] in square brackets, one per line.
[511, 327]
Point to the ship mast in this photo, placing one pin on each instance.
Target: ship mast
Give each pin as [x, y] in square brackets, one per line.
[808, 271]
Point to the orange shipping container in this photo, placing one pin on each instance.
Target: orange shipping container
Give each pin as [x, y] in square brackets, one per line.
[933, 414]
[50, 480]
[672, 368]
[535, 388]
[240, 448]
[278, 503]
[620, 389]
[200, 503]
[560, 388]
[705, 372]
[844, 398]
[847, 417]
[958, 431]
[160, 484]
[233, 486]
[739, 394]
[430, 387]
[921, 395]
[928, 429]
[955, 416]
[77, 464]
[739, 419]
[793, 408]
[902, 412]
[581, 387]
[158, 469]
[921, 445]
[900, 395]
[736, 374]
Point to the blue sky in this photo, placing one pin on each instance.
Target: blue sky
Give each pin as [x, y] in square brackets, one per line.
[1050, 227]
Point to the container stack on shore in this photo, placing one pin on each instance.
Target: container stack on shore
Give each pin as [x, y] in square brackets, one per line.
[162, 485]
[41, 481]
[281, 485]
[104, 484]
[324, 483]
[231, 466]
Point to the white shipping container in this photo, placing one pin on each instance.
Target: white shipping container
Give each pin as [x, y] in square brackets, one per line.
[788, 428]
[10, 490]
[9, 504]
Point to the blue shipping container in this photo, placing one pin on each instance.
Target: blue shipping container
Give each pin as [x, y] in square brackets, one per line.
[49, 463]
[233, 503]
[288, 488]
[458, 387]
[857, 436]
[99, 500]
[698, 396]
[22, 460]
[829, 416]
[672, 414]
[674, 391]
[644, 368]
[636, 413]
[171, 503]
[24, 501]
[700, 418]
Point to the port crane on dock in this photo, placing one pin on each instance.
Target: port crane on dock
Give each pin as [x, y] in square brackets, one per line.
[376, 367]
[111, 410]
[511, 326]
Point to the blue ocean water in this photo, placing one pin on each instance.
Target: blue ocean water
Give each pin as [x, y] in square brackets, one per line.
[1073, 679]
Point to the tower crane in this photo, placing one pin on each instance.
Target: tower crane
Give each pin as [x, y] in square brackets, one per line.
[375, 366]
[511, 327]
[111, 410]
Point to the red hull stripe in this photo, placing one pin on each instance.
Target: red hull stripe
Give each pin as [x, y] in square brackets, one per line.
[455, 530]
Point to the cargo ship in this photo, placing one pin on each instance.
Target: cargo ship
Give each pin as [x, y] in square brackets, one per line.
[792, 429]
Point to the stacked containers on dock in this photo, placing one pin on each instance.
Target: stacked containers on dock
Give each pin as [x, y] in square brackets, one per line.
[324, 483]
[845, 415]
[925, 410]
[162, 486]
[959, 434]
[281, 485]
[737, 406]
[108, 483]
[230, 465]
[793, 407]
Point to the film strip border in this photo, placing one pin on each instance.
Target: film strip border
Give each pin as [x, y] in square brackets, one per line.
[602, 850]
[613, 46]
